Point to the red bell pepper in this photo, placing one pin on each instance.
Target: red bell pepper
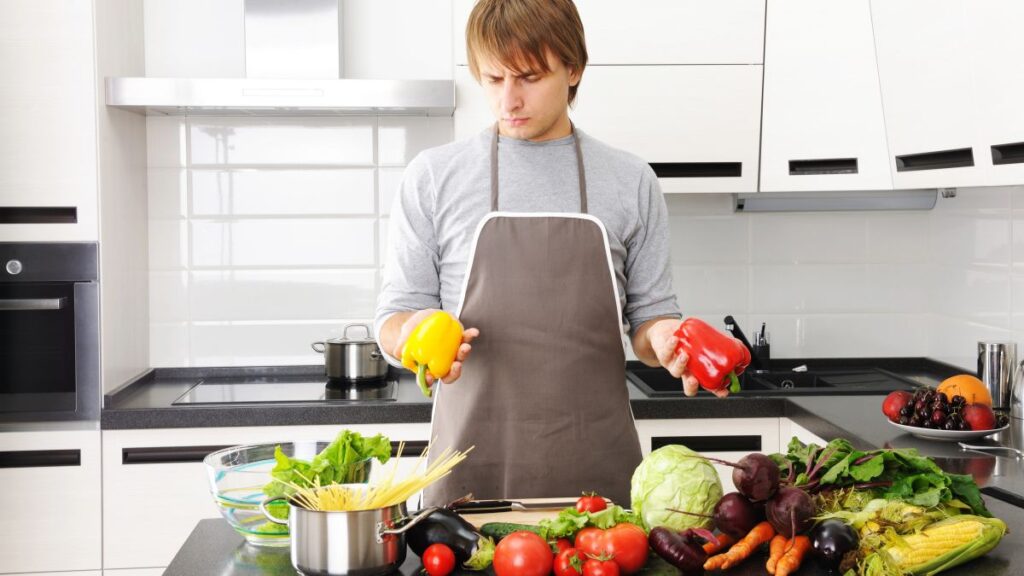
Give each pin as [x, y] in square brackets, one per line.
[716, 359]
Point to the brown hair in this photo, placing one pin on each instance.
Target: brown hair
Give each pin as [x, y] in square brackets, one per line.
[518, 32]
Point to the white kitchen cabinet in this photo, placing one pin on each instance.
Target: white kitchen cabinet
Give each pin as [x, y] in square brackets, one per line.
[48, 121]
[659, 31]
[52, 482]
[698, 126]
[788, 429]
[75, 573]
[725, 438]
[927, 80]
[822, 125]
[155, 486]
[993, 32]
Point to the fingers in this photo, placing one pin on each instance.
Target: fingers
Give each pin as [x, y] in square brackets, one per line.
[665, 351]
[690, 385]
[469, 334]
[677, 365]
[463, 352]
[722, 393]
[454, 373]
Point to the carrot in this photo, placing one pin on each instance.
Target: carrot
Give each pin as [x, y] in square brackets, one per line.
[777, 549]
[741, 550]
[724, 541]
[792, 559]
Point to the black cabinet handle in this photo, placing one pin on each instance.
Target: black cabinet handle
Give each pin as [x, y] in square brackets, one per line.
[711, 443]
[167, 454]
[40, 458]
[823, 166]
[1008, 153]
[959, 158]
[698, 169]
[38, 215]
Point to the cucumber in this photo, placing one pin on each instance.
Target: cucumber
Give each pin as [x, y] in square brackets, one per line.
[499, 530]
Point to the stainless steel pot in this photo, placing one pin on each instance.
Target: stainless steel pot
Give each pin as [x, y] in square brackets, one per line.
[359, 543]
[352, 359]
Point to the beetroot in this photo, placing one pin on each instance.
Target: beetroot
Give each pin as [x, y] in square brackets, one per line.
[756, 476]
[790, 511]
[681, 549]
[735, 515]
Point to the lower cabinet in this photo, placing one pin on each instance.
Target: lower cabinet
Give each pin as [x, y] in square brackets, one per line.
[788, 429]
[51, 510]
[155, 487]
[725, 438]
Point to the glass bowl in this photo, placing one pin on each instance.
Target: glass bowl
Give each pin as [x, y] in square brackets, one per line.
[237, 476]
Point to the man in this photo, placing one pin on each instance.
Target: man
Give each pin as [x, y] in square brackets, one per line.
[542, 241]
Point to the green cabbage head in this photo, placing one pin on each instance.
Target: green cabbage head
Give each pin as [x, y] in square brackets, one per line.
[674, 476]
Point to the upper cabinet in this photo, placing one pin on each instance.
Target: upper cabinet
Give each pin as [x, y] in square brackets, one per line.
[925, 65]
[659, 31]
[48, 175]
[822, 125]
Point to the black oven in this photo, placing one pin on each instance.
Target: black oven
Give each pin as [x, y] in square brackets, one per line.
[49, 332]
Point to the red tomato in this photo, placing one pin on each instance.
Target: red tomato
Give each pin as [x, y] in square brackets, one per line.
[589, 541]
[438, 560]
[590, 503]
[568, 562]
[627, 544]
[561, 544]
[522, 554]
[598, 567]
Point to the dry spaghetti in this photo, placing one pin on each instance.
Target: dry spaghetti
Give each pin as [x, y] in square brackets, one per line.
[386, 492]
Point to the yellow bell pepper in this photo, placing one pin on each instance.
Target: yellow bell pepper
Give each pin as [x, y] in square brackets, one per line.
[432, 345]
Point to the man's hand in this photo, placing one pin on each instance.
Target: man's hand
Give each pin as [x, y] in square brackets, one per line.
[660, 336]
[412, 321]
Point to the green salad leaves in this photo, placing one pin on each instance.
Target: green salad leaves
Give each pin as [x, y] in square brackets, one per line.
[343, 461]
[901, 474]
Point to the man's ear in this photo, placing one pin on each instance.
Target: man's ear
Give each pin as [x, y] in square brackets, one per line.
[574, 76]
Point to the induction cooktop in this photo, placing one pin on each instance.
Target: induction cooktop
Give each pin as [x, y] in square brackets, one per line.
[284, 390]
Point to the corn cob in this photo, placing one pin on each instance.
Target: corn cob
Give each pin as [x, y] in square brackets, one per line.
[940, 546]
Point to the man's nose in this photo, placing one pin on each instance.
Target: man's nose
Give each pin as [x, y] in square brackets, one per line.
[510, 96]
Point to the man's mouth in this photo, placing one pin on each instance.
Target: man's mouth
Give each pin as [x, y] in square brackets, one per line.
[516, 121]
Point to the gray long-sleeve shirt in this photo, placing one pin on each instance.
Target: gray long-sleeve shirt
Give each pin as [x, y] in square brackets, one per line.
[446, 192]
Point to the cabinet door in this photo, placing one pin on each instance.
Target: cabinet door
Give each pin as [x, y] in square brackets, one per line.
[924, 67]
[156, 489]
[994, 33]
[659, 31]
[698, 126]
[822, 126]
[725, 438]
[48, 118]
[52, 510]
[788, 429]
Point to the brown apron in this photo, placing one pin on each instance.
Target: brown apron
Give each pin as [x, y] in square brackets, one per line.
[542, 397]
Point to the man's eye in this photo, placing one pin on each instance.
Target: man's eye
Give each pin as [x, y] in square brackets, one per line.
[530, 79]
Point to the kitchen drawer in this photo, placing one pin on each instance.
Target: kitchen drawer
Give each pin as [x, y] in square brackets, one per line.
[698, 126]
[153, 498]
[52, 483]
[725, 438]
[659, 31]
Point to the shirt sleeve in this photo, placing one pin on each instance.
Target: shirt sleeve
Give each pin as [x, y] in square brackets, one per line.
[411, 279]
[649, 292]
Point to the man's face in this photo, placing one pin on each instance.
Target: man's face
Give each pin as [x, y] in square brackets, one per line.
[529, 105]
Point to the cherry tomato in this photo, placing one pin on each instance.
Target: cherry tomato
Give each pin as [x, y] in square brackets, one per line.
[438, 560]
[590, 503]
[568, 562]
[561, 544]
[599, 567]
[627, 544]
[589, 541]
[522, 554]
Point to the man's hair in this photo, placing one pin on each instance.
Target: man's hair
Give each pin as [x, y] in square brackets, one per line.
[517, 33]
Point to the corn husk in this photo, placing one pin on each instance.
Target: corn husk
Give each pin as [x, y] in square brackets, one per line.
[939, 546]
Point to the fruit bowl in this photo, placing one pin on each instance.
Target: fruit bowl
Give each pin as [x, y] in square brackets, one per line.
[947, 435]
[237, 476]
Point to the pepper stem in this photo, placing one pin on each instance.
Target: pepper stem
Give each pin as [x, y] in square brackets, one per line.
[735, 386]
[421, 379]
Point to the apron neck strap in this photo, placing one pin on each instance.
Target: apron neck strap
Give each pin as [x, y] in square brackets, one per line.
[579, 169]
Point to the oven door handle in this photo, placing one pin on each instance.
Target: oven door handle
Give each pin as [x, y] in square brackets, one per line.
[32, 303]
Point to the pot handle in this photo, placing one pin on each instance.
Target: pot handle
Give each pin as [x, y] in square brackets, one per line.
[271, 517]
[381, 531]
[366, 327]
[321, 349]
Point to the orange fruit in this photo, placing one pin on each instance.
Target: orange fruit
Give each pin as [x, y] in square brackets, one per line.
[968, 386]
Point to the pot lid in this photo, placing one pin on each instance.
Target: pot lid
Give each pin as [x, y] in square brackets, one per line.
[346, 339]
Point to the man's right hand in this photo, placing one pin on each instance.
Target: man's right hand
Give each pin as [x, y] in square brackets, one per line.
[405, 322]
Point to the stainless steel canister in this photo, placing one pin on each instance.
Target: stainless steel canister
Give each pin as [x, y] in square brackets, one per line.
[352, 359]
[997, 362]
[356, 543]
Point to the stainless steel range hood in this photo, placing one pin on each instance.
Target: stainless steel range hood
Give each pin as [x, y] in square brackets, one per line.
[294, 66]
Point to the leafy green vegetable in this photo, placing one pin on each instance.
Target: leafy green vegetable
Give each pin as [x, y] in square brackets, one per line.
[896, 474]
[570, 521]
[343, 461]
[676, 477]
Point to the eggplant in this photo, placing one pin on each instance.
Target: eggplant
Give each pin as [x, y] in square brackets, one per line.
[472, 549]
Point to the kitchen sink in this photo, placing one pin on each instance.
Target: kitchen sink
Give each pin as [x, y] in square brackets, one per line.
[658, 383]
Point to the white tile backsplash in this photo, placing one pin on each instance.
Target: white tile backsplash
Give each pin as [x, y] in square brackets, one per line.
[282, 141]
[402, 138]
[167, 190]
[283, 192]
[809, 238]
[286, 242]
[260, 343]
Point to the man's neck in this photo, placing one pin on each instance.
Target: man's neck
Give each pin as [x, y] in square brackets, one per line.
[560, 129]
